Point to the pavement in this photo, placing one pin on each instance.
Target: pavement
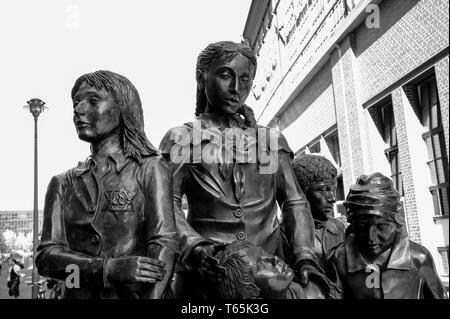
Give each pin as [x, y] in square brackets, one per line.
[25, 290]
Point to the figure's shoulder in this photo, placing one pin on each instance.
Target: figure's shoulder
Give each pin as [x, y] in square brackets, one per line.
[339, 225]
[176, 135]
[154, 162]
[419, 254]
[274, 139]
[68, 174]
[337, 254]
[62, 179]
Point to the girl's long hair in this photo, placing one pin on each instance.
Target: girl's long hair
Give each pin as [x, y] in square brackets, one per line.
[126, 97]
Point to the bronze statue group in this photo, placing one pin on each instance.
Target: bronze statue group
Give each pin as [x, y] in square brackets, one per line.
[118, 215]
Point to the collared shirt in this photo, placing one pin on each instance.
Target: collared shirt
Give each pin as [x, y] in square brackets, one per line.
[328, 234]
[237, 202]
[409, 274]
[88, 218]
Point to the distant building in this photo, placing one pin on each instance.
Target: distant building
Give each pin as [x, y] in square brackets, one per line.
[365, 83]
[19, 221]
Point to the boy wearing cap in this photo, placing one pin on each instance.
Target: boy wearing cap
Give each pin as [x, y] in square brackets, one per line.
[376, 259]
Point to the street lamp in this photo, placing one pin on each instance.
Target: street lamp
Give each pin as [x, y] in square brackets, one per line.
[36, 106]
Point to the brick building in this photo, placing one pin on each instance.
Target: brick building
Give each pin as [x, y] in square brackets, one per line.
[365, 83]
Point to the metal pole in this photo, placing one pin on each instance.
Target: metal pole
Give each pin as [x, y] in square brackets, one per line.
[35, 275]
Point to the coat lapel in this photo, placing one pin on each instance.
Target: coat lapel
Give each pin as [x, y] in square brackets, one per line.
[85, 187]
[330, 237]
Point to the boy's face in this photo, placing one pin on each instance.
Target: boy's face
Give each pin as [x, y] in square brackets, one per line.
[374, 234]
[322, 196]
[228, 83]
[271, 274]
[95, 114]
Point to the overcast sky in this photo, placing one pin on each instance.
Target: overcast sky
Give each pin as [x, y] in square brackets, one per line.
[46, 45]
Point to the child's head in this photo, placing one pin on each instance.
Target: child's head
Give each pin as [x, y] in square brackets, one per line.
[225, 72]
[96, 91]
[317, 178]
[252, 273]
[375, 212]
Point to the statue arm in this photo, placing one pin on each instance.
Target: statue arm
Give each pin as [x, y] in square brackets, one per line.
[189, 238]
[54, 253]
[332, 273]
[297, 224]
[433, 288]
[162, 238]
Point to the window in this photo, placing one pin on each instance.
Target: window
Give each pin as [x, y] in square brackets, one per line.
[340, 195]
[430, 114]
[383, 116]
[332, 141]
[389, 133]
[443, 252]
[315, 147]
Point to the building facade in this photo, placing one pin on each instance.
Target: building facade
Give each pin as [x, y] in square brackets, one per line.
[19, 221]
[365, 83]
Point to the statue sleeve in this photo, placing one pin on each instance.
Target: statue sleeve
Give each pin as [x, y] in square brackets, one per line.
[178, 164]
[433, 288]
[331, 270]
[297, 224]
[162, 238]
[54, 253]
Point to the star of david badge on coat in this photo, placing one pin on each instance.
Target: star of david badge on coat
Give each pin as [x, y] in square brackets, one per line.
[119, 200]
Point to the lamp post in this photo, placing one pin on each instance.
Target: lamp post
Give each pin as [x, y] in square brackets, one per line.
[35, 106]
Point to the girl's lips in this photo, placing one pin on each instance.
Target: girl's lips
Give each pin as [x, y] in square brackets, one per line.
[80, 123]
[232, 101]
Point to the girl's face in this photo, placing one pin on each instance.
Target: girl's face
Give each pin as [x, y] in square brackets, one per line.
[374, 234]
[227, 84]
[96, 115]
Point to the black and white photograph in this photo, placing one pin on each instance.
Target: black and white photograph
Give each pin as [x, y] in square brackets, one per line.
[221, 155]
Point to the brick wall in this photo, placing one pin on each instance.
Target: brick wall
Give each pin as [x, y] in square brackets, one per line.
[312, 111]
[411, 32]
[405, 163]
[442, 73]
[316, 119]
[348, 112]
[342, 122]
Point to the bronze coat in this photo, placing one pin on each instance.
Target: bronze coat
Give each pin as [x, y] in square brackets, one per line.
[126, 213]
[216, 214]
[409, 274]
[328, 235]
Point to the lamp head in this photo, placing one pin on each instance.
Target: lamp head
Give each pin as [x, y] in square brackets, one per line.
[36, 106]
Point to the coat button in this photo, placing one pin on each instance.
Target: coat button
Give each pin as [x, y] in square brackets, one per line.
[238, 213]
[241, 235]
[95, 239]
[92, 209]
